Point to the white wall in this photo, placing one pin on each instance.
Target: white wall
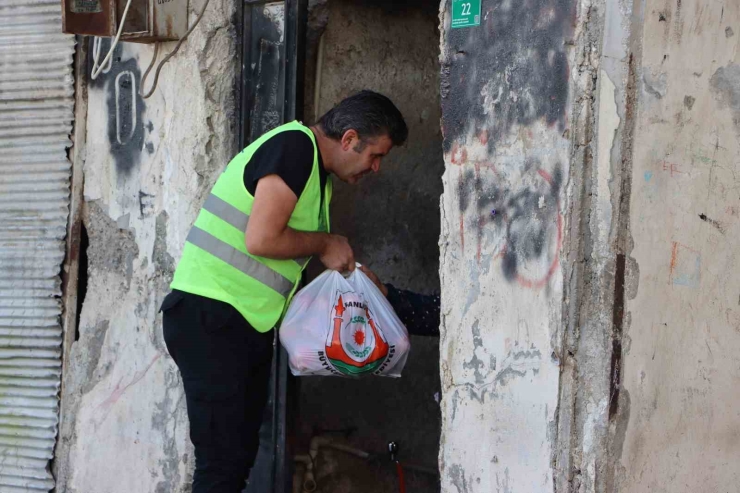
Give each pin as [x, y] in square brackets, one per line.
[631, 343]
[504, 118]
[682, 348]
[124, 425]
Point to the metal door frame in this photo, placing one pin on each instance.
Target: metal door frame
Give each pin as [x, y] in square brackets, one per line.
[272, 470]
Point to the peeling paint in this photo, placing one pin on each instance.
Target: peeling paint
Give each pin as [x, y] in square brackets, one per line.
[457, 475]
[505, 96]
[655, 85]
[608, 124]
[124, 422]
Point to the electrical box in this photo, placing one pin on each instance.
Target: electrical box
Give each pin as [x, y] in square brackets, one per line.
[147, 21]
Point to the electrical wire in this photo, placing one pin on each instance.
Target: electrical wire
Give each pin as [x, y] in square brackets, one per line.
[151, 65]
[96, 56]
[170, 55]
[108, 60]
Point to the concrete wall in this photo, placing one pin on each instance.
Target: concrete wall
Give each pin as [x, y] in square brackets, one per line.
[506, 121]
[615, 369]
[148, 165]
[591, 322]
[682, 346]
[392, 222]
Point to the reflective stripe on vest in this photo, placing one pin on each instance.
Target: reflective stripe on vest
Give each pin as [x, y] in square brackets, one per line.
[238, 260]
[223, 210]
[227, 212]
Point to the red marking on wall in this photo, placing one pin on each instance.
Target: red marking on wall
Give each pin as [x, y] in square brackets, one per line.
[671, 168]
[540, 283]
[120, 390]
[483, 137]
[546, 176]
[501, 253]
[462, 215]
[674, 259]
[685, 266]
[481, 220]
[458, 155]
[453, 153]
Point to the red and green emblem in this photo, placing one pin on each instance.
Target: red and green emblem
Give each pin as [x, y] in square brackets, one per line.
[355, 344]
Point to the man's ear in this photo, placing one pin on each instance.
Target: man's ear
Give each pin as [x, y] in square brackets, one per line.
[349, 139]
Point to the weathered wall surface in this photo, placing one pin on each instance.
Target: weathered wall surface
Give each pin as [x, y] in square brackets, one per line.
[601, 272]
[646, 133]
[681, 348]
[505, 106]
[148, 165]
[392, 222]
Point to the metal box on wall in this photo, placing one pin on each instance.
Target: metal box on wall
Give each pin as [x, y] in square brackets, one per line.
[147, 20]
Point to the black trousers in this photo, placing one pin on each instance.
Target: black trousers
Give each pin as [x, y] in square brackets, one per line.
[225, 365]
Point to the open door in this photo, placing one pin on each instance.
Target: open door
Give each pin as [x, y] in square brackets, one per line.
[273, 34]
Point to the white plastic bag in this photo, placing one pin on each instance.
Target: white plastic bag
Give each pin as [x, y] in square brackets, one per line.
[343, 327]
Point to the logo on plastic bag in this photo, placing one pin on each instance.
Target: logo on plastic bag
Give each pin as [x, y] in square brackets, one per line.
[355, 344]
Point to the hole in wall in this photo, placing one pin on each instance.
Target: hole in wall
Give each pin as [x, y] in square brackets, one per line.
[82, 276]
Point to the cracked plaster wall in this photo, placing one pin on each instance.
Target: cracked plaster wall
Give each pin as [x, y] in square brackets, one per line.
[679, 429]
[640, 317]
[148, 165]
[392, 222]
[506, 92]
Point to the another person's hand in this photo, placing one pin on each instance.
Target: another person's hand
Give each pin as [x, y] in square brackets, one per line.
[337, 254]
[370, 274]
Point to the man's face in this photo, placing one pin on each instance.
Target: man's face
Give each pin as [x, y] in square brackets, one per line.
[360, 158]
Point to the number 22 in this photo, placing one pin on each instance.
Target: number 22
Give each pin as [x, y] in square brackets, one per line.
[466, 9]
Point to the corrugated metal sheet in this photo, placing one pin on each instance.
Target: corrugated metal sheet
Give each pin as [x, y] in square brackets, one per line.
[36, 112]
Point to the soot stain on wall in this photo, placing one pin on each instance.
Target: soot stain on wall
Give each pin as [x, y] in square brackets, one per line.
[512, 69]
[526, 215]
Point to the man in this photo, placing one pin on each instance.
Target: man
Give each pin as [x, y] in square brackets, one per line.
[267, 214]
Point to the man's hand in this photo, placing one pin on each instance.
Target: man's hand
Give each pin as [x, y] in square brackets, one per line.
[337, 254]
[371, 275]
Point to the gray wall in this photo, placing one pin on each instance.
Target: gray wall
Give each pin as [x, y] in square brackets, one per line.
[681, 350]
[590, 325]
[505, 91]
[124, 426]
[590, 331]
[392, 222]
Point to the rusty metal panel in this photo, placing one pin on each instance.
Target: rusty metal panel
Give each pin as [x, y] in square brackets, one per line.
[90, 17]
[147, 21]
[137, 19]
[36, 113]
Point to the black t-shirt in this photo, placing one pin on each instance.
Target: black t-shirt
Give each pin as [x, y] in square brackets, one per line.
[290, 156]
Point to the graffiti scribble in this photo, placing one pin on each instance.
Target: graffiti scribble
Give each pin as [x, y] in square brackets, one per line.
[526, 230]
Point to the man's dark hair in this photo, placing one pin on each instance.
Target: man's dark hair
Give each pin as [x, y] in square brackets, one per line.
[369, 114]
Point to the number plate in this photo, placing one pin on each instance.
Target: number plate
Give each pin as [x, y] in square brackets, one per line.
[86, 6]
[465, 13]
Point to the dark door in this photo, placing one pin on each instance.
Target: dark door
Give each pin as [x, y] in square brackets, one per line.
[271, 86]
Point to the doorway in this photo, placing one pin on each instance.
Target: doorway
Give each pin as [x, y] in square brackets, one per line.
[392, 220]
